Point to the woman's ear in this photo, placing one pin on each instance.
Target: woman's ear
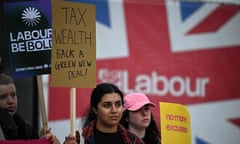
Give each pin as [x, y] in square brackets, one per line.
[94, 110]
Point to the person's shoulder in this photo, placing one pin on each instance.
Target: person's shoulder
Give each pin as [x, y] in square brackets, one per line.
[28, 124]
[22, 122]
[134, 139]
[130, 137]
[31, 132]
[88, 129]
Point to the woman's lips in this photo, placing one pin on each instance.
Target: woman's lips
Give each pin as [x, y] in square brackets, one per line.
[11, 109]
[145, 120]
[114, 117]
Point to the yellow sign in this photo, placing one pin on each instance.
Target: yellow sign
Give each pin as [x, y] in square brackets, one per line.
[175, 124]
[73, 62]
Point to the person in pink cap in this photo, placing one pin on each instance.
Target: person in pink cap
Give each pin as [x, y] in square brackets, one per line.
[138, 118]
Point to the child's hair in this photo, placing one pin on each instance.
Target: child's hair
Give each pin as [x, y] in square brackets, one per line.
[5, 79]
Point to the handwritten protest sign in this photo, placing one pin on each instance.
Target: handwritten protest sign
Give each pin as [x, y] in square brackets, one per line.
[175, 124]
[73, 44]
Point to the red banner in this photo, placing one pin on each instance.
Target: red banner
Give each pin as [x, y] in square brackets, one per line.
[43, 141]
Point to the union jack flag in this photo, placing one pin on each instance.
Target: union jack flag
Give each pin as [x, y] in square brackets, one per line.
[182, 52]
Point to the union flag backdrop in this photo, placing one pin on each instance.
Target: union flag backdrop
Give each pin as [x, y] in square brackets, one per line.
[181, 52]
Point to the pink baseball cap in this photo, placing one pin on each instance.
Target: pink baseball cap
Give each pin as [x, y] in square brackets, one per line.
[135, 101]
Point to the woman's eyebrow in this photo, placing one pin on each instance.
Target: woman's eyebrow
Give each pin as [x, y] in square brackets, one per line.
[113, 101]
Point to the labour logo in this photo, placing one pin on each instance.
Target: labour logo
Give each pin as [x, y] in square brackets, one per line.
[31, 16]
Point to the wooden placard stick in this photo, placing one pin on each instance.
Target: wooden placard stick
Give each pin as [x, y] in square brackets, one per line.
[72, 111]
[42, 103]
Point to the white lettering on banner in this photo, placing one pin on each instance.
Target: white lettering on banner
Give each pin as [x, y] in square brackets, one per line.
[31, 41]
[157, 84]
[32, 68]
[30, 35]
[32, 46]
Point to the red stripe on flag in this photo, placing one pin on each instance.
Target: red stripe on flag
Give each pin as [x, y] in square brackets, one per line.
[236, 122]
[216, 19]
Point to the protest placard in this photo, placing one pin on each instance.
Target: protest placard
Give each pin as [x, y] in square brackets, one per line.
[73, 44]
[29, 37]
[175, 123]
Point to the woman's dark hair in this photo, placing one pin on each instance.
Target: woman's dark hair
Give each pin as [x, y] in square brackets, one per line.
[96, 96]
[152, 134]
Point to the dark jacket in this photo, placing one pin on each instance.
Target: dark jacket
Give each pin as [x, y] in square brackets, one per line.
[25, 129]
[128, 137]
[16, 127]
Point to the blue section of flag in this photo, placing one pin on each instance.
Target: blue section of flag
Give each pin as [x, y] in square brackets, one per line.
[188, 8]
[102, 10]
[200, 141]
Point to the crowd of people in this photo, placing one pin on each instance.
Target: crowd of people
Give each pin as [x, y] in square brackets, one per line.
[111, 118]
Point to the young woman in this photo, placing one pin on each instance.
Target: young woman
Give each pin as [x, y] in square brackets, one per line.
[138, 119]
[102, 122]
[12, 125]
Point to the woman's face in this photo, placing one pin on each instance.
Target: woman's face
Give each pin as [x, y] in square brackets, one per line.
[141, 118]
[8, 98]
[109, 111]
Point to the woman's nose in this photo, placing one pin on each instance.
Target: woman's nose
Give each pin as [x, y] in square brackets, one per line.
[144, 112]
[114, 109]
